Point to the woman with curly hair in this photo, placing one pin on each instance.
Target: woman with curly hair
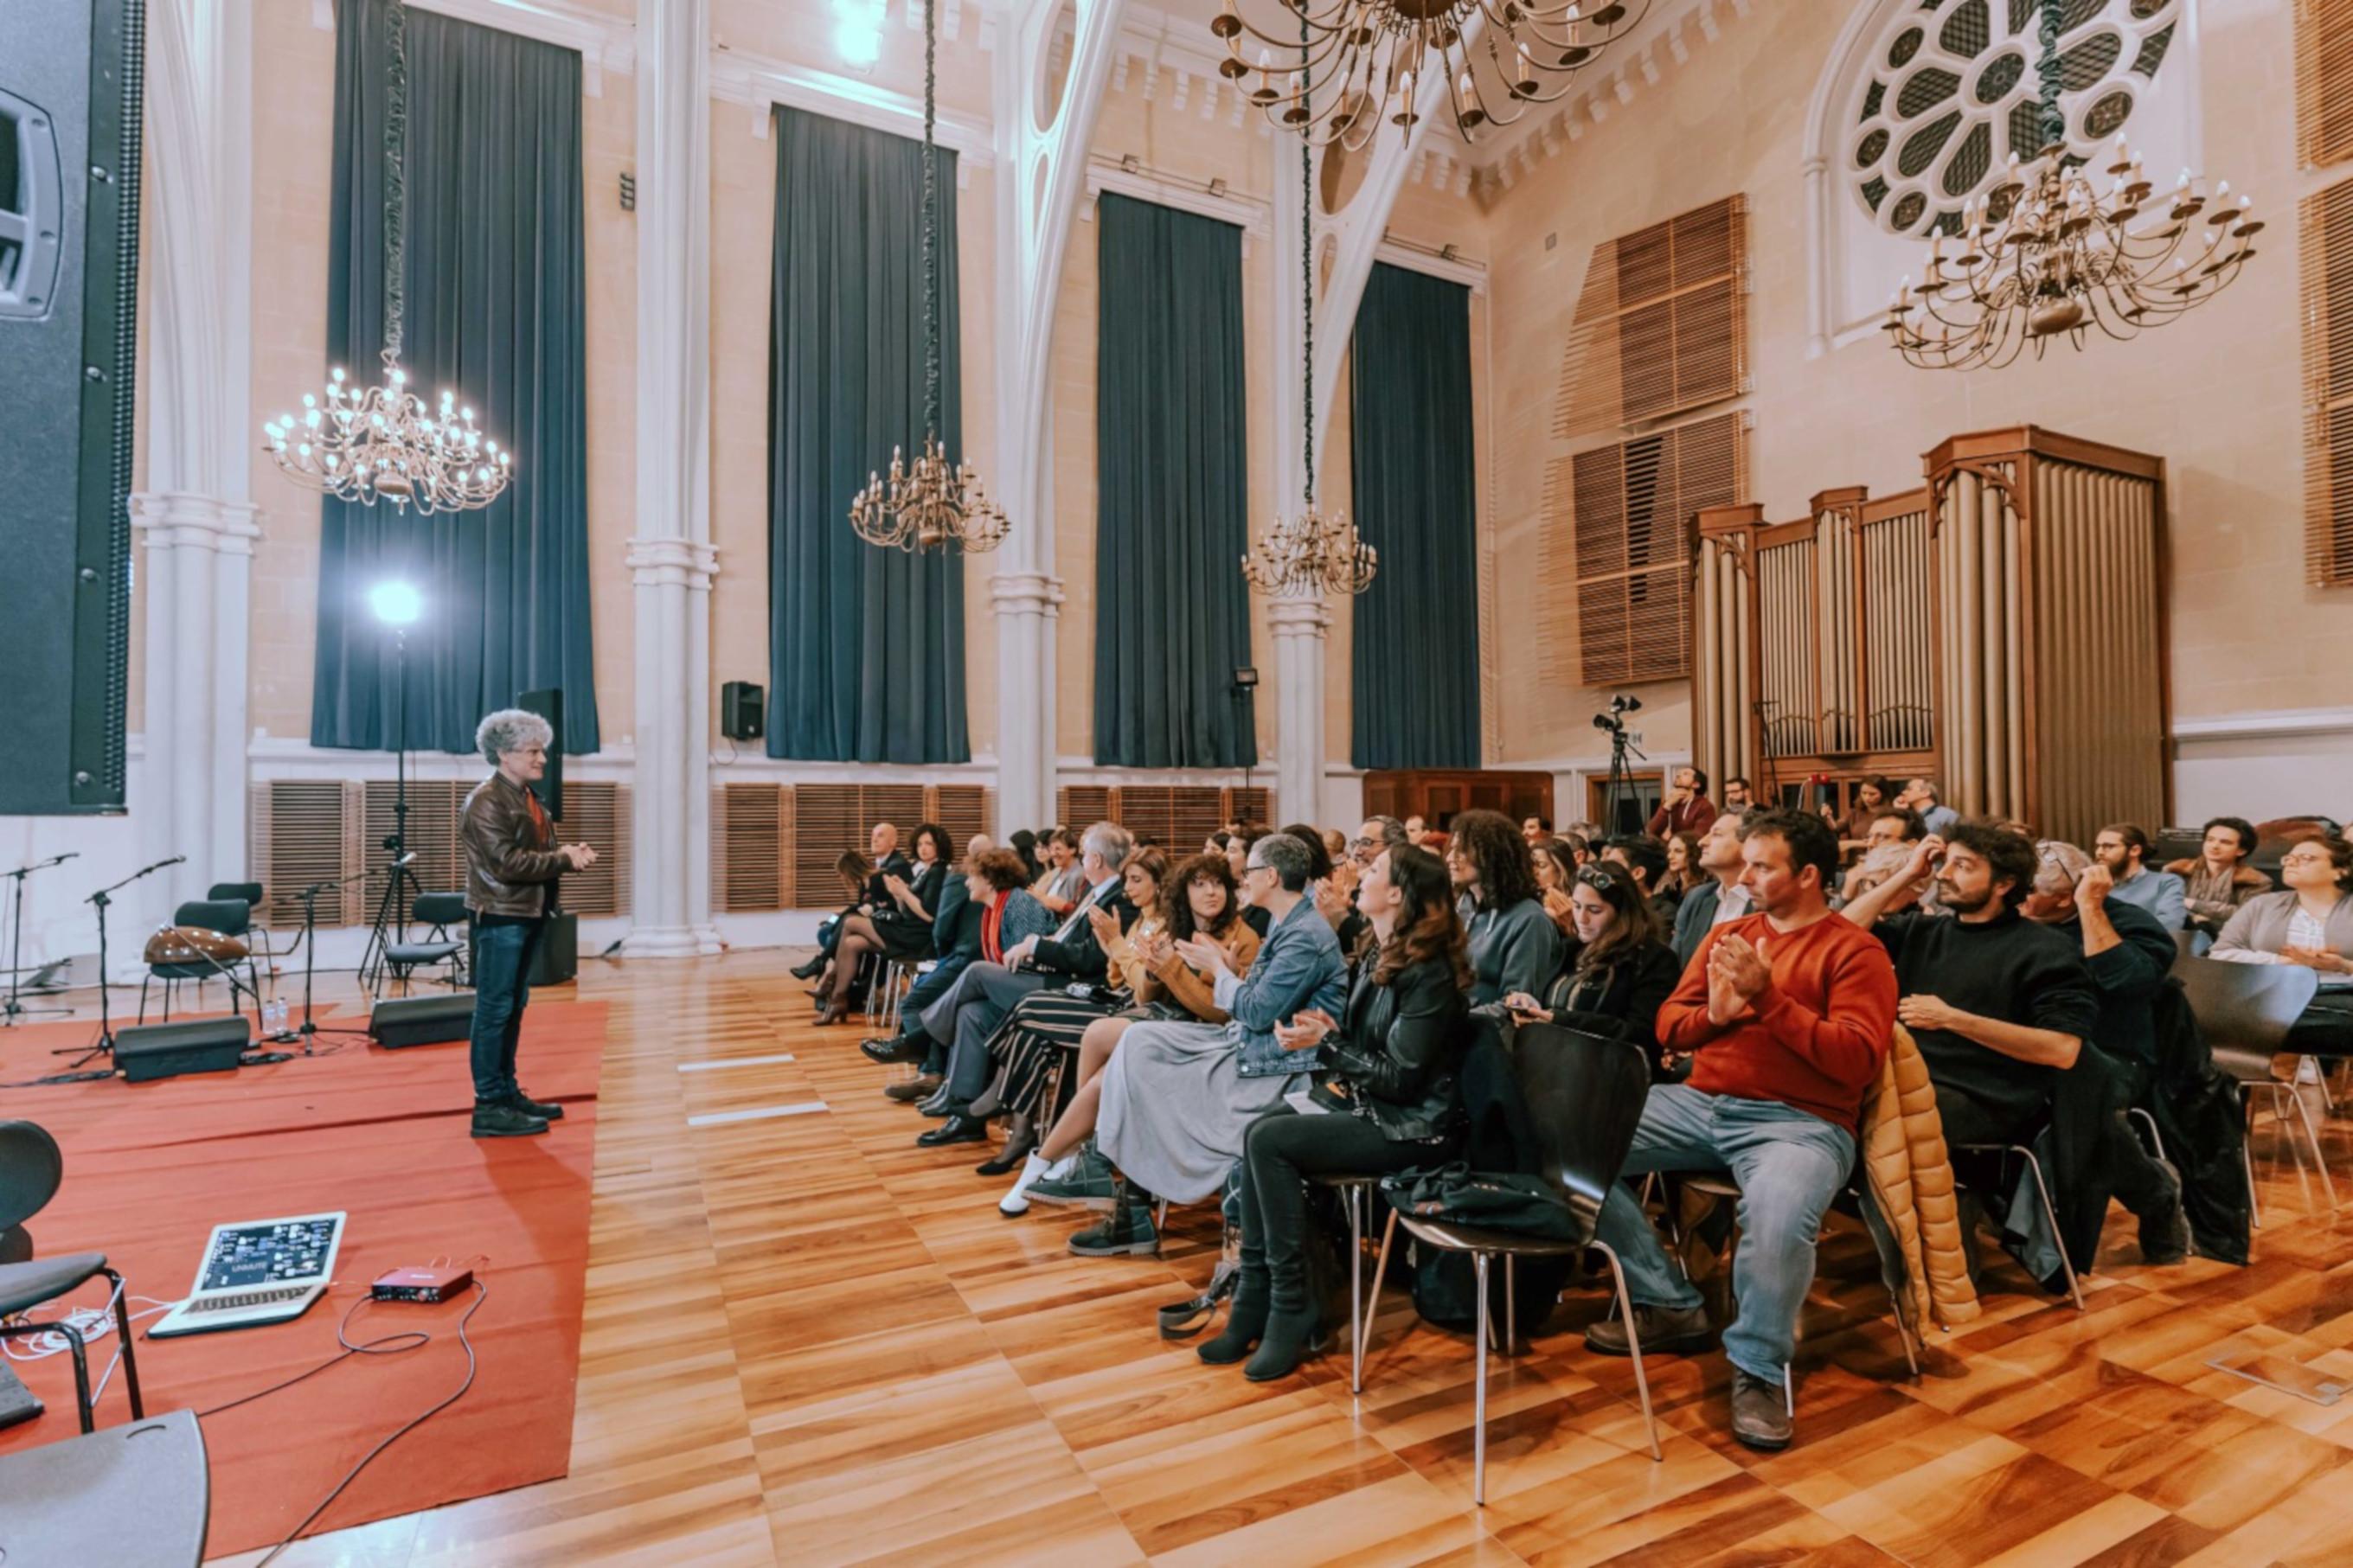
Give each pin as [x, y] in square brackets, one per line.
[1387, 1099]
[1514, 945]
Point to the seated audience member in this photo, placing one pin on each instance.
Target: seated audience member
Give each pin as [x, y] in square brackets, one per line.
[1646, 857]
[2130, 956]
[2218, 879]
[1685, 808]
[1535, 829]
[900, 928]
[1618, 971]
[1876, 866]
[1892, 827]
[1515, 946]
[1555, 870]
[1415, 827]
[1920, 795]
[2310, 922]
[1853, 826]
[885, 861]
[1996, 1003]
[1786, 1014]
[1238, 850]
[1720, 896]
[1025, 845]
[1047, 1022]
[1177, 1098]
[1375, 835]
[2124, 849]
[1389, 1098]
[1737, 795]
[1683, 873]
[1335, 847]
[1579, 843]
[1203, 904]
[1330, 886]
[955, 939]
[1063, 880]
[965, 1018]
[996, 912]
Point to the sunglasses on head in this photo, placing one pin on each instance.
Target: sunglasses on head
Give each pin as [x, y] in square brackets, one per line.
[1594, 877]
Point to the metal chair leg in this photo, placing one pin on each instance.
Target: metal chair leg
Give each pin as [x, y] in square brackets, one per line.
[123, 1333]
[2051, 1217]
[1355, 1195]
[1373, 1305]
[81, 1375]
[1633, 1348]
[2155, 1139]
[1511, 1304]
[2247, 1159]
[1903, 1333]
[1788, 1392]
[2312, 1136]
[1479, 1398]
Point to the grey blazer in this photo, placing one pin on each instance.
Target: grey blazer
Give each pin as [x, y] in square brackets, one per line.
[2261, 926]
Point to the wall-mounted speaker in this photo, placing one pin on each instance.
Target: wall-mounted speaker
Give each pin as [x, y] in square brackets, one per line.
[743, 711]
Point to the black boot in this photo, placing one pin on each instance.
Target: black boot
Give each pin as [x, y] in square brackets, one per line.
[1290, 1333]
[1245, 1320]
[808, 971]
[497, 1118]
[1127, 1229]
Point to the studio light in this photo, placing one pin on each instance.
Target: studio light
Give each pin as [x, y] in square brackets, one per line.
[859, 35]
[396, 604]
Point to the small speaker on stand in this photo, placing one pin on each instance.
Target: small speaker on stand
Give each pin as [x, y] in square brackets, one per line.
[743, 711]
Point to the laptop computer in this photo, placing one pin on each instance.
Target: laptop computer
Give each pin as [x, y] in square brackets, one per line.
[257, 1271]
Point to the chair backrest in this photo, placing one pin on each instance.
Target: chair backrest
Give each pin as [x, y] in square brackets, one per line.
[1585, 1095]
[249, 891]
[230, 917]
[30, 1169]
[2250, 1006]
[439, 909]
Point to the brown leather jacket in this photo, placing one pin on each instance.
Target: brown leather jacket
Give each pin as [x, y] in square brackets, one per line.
[511, 859]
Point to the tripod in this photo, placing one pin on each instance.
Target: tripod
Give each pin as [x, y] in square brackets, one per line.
[1621, 776]
[392, 910]
[100, 900]
[13, 1009]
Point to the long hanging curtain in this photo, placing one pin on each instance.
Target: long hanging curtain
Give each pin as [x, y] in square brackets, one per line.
[865, 644]
[1172, 509]
[497, 307]
[1415, 677]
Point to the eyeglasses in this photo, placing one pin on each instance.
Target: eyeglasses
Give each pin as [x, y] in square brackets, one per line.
[1256, 866]
[1595, 877]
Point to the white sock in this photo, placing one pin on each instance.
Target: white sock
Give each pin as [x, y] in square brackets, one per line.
[1059, 1171]
[1017, 1201]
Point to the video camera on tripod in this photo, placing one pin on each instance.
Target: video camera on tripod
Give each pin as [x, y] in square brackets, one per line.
[1613, 722]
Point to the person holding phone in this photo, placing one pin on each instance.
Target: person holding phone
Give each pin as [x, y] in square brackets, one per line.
[1618, 971]
[1388, 1100]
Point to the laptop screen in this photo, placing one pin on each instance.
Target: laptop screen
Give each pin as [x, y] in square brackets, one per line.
[270, 1252]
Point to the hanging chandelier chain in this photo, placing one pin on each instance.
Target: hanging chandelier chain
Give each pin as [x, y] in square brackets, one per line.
[1307, 276]
[2050, 119]
[931, 230]
[395, 181]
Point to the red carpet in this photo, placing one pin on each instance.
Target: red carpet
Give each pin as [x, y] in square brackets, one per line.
[150, 1168]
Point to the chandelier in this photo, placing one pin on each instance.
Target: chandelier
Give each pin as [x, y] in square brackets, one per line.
[935, 504]
[1309, 555]
[1380, 48]
[2048, 254]
[384, 442]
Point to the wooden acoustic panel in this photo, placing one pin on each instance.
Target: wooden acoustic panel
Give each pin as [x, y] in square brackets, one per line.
[1662, 323]
[2323, 82]
[300, 832]
[2328, 384]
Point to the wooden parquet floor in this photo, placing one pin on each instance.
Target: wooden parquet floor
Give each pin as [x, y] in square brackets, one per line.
[809, 1341]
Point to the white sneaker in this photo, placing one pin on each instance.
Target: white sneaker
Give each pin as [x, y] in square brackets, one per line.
[1035, 1168]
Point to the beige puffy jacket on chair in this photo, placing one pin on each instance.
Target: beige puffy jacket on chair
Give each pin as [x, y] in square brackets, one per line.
[1911, 1178]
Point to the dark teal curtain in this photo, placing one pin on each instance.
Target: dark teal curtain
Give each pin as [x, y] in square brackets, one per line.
[865, 644]
[1172, 496]
[1415, 675]
[496, 308]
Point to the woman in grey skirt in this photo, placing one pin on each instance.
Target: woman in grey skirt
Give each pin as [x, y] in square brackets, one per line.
[1177, 1097]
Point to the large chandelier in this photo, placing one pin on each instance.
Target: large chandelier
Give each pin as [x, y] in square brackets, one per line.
[1308, 554]
[1380, 48]
[2048, 254]
[935, 504]
[384, 442]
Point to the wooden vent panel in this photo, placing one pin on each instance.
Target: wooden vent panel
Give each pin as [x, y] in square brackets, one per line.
[2324, 81]
[1247, 805]
[300, 832]
[597, 812]
[1661, 325]
[1079, 805]
[432, 836]
[826, 821]
[747, 870]
[2328, 386]
[961, 810]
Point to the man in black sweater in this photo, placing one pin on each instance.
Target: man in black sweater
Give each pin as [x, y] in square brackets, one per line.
[1996, 1003]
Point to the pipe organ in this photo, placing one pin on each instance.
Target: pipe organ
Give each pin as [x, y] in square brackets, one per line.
[2000, 629]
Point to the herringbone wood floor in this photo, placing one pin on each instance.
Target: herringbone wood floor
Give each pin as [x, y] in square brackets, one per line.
[809, 1341]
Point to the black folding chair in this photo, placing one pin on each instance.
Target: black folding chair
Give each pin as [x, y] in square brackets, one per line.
[439, 913]
[2245, 1010]
[31, 1168]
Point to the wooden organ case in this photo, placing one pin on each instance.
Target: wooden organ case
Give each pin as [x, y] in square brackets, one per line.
[2000, 629]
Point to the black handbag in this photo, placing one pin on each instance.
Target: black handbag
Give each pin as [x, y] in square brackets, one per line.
[1454, 1193]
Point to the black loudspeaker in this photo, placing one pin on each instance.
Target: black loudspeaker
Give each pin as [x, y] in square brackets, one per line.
[549, 705]
[557, 959]
[743, 711]
[168, 1051]
[69, 105]
[401, 1021]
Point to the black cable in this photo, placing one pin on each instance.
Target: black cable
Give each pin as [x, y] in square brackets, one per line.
[384, 1346]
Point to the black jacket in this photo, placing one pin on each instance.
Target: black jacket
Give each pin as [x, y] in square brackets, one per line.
[1398, 1049]
[1079, 956]
[1625, 997]
[874, 895]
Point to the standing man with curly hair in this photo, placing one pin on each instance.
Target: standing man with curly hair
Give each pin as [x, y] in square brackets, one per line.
[512, 862]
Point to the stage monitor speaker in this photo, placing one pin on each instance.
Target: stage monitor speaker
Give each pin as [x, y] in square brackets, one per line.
[400, 1021]
[168, 1051]
[557, 959]
[69, 105]
[743, 711]
[549, 705]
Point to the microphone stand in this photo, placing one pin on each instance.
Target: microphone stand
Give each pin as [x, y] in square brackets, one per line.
[99, 901]
[13, 1009]
[310, 1029]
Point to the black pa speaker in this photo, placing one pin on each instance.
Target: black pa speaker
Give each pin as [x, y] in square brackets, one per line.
[168, 1051]
[549, 705]
[556, 959]
[743, 711]
[402, 1021]
[70, 103]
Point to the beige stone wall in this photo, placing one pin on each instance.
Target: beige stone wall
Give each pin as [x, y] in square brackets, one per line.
[2217, 394]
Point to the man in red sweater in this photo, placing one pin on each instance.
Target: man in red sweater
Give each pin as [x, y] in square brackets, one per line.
[1785, 1018]
[1686, 808]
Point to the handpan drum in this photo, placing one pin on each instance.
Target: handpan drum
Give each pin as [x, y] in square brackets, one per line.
[194, 944]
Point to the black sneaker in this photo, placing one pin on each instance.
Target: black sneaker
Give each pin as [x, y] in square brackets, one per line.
[529, 1107]
[1126, 1230]
[498, 1119]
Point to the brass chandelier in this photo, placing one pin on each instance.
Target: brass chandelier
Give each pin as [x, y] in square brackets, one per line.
[2048, 254]
[383, 442]
[1307, 554]
[1378, 49]
[935, 504]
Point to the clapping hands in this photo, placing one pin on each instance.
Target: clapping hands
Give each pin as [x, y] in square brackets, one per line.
[1305, 1031]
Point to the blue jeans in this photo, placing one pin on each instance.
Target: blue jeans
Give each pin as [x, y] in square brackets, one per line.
[502, 969]
[1788, 1165]
[927, 989]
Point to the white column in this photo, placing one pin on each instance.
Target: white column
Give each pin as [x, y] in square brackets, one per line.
[1299, 626]
[671, 557]
[196, 518]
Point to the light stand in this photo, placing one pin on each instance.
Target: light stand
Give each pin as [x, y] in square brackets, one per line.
[398, 606]
[100, 900]
[310, 1029]
[13, 1009]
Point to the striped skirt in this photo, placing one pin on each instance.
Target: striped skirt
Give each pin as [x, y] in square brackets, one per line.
[1032, 1041]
